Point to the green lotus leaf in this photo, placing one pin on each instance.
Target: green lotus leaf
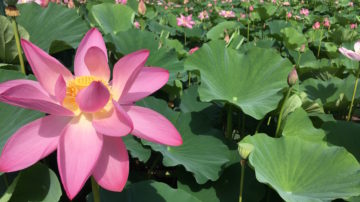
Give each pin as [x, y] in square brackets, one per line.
[55, 23]
[112, 18]
[293, 39]
[203, 151]
[150, 191]
[217, 31]
[136, 149]
[37, 183]
[8, 51]
[304, 171]
[251, 80]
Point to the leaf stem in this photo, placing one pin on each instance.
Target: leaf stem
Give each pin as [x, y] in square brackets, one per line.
[321, 35]
[17, 40]
[229, 121]
[189, 75]
[248, 31]
[95, 190]
[281, 112]
[353, 96]
[243, 164]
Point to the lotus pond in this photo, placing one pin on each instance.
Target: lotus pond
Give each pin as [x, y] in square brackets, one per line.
[188, 101]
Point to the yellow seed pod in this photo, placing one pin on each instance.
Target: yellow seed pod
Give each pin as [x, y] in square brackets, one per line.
[245, 149]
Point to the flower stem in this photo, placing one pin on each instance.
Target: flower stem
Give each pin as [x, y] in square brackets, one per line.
[298, 60]
[281, 113]
[353, 96]
[243, 164]
[321, 35]
[248, 31]
[95, 190]
[184, 38]
[17, 40]
[189, 75]
[229, 121]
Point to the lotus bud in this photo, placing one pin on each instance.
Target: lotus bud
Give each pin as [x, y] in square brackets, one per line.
[71, 4]
[227, 37]
[245, 149]
[142, 7]
[292, 77]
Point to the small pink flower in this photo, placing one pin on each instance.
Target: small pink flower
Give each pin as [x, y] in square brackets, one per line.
[304, 11]
[353, 26]
[203, 15]
[286, 3]
[289, 15]
[185, 21]
[251, 8]
[316, 25]
[274, 1]
[353, 55]
[88, 114]
[137, 25]
[326, 23]
[121, 2]
[191, 51]
[351, 4]
[242, 15]
[227, 14]
[209, 5]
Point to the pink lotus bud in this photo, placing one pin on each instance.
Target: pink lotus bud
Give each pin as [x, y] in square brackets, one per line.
[137, 25]
[142, 7]
[302, 48]
[71, 4]
[44, 3]
[289, 15]
[251, 8]
[191, 51]
[353, 26]
[326, 22]
[316, 25]
[293, 77]
[351, 4]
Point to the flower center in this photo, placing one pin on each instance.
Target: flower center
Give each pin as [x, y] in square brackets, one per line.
[73, 87]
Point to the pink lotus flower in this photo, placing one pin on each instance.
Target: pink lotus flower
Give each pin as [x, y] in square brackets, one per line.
[121, 2]
[191, 51]
[286, 3]
[42, 3]
[88, 114]
[316, 25]
[326, 22]
[251, 8]
[353, 55]
[137, 25]
[185, 21]
[227, 14]
[351, 4]
[289, 15]
[304, 12]
[203, 15]
[353, 26]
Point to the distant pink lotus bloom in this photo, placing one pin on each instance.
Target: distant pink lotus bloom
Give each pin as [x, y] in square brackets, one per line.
[304, 11]
[121, 2]
[351, 4]
[353, 55]
[209, 5]
[316, 25]
[137, 25]
[274, 1]
[227, 14]
[88, 114]
[191, 51]
[42, 3]
[203, 15]
[251, 8]
[185, 21]
[326, 22]
[289, 15]
[353, 26]
[286, 3]
[242, 15]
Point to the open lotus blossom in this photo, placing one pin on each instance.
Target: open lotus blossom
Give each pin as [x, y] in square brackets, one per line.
[203, 15]
[354, 55]
[88, 115]
[185, 21]
[227, 14]
[304, 11]
[316, 25]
